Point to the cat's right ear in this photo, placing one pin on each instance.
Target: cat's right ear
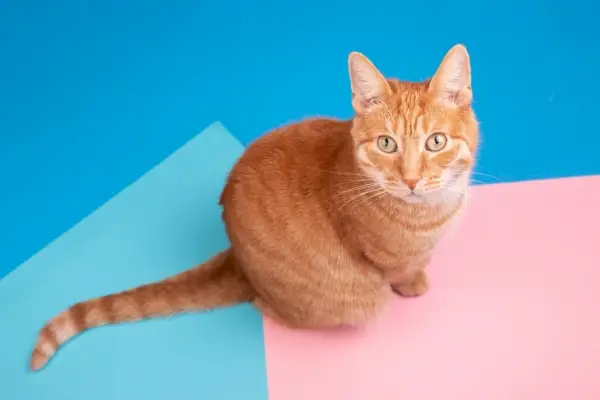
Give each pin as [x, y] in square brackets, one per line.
[369, 87]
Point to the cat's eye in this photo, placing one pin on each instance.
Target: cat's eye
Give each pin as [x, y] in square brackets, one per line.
[436, 142]
[387, 144]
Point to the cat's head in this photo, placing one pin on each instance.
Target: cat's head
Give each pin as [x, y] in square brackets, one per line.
[417, 140]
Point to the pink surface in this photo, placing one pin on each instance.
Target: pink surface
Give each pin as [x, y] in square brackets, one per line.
[513, 312]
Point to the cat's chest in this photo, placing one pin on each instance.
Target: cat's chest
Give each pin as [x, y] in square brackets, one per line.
[405, 242]
[404, 237]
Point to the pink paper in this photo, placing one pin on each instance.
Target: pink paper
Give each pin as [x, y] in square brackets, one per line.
[513, 312]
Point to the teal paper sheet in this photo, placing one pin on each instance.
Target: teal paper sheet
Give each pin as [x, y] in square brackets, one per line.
[165, 222]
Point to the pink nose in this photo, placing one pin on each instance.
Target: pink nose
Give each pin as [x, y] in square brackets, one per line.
[410, 182]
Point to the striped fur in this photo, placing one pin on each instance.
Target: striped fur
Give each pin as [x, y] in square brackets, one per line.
[214, 284]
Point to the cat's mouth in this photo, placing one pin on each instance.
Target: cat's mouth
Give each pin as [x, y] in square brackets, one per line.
[412, 197]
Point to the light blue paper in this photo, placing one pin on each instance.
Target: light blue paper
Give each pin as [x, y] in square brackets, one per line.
[167, 221]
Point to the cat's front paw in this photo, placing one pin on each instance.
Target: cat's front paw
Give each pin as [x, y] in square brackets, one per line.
[417, 286]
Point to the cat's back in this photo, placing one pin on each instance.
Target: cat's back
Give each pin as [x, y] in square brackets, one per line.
[293, 156]
[278, 186]
[309, 142]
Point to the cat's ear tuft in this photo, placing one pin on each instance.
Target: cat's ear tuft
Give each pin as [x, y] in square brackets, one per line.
[451, 84]
[369, 87]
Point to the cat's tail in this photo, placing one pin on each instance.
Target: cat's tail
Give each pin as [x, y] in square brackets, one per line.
[216, 283]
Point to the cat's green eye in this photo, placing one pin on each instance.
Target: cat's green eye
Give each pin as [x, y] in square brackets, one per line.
[436, 142]
[387, 144]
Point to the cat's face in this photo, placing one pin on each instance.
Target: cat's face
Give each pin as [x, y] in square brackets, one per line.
[416, 140]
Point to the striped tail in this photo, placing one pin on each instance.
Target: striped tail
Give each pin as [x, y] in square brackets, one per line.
[216, 283]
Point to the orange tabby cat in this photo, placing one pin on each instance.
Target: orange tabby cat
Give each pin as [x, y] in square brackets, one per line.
[326, 218]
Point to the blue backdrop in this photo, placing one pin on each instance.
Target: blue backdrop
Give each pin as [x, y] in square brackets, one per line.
[95, 93]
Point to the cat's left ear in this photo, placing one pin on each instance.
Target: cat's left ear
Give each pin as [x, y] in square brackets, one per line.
[451, 84]
[369, 87]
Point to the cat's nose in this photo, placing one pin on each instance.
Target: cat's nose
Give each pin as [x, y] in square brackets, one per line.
[410, 182]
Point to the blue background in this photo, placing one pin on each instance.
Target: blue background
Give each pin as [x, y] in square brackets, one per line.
[95, 93]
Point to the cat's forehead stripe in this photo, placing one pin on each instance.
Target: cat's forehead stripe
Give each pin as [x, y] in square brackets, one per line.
[400, 126]
[389, 127]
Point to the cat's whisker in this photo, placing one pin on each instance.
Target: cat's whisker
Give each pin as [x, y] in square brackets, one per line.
[354, 196]
[487, 175]
[396, 189]
[358, 196]
[433, 184]
[477, 181]
[349, 186]
[340, 172]
[350, 181]
[359, 187]
[373, 197]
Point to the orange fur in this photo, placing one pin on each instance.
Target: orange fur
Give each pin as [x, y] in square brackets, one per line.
[326, 218]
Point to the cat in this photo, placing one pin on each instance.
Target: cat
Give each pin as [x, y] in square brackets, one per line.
[327, 219]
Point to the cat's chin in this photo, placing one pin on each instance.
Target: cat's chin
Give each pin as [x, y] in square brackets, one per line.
[413, 198]
[437, 197]
[410, 198]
